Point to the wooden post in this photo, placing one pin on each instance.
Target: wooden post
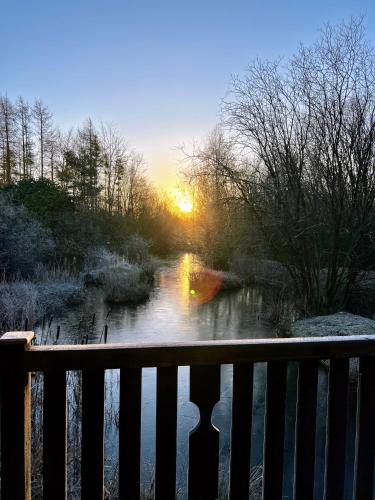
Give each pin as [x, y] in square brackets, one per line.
[242, 412]
[166, 433]
[274, 429]
[15, 417]
[336, 429]
[204, 439]
[304, 468]
[92, 461]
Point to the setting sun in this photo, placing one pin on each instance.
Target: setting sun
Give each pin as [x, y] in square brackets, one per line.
[183, 201]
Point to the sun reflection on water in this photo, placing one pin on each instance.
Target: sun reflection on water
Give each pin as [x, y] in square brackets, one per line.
[198, 284]
[187, 265]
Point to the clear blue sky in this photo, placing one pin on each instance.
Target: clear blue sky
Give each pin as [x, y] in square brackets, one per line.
[155, 68]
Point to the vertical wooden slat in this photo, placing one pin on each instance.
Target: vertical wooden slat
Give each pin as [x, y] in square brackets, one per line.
[130, 433]
[204, 439]
[92, 434]
[15, 417]
[336, 428]
[166, 432]
[274, 430]
[54, 435]
[242, 406]
[304, 469]
[365, 445]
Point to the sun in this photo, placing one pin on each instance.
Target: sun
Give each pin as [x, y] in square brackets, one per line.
[183, 202]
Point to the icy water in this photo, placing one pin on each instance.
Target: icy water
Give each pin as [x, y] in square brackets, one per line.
[173, 313]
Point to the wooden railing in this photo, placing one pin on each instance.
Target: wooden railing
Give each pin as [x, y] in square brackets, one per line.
[19, 359]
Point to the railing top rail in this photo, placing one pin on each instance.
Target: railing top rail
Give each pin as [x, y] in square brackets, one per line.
[77, 357]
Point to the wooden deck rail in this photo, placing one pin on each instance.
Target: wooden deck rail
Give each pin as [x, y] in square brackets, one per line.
[18, 359]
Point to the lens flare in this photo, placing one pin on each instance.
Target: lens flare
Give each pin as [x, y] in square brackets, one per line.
[204, 285]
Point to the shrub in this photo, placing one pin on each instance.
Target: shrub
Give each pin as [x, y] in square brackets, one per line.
[125, 285]
[24, 242]
[41, 197]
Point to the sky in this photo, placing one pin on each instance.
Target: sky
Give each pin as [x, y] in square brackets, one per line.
[156, 69]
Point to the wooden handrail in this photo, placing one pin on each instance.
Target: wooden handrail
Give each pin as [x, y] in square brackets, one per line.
[77, 357]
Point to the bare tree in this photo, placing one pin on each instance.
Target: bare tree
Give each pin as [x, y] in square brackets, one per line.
[309, 131]
[43, 125]
[25, 134]
[219, 208]
[8, 138]
[115, 154]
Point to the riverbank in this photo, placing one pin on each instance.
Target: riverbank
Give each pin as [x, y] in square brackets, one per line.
[53, 291]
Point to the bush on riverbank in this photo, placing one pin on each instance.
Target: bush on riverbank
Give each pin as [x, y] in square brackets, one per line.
[126, 285]
[122, 282]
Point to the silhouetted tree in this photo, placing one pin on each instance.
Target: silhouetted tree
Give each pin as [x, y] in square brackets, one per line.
[8, 139]
[309, 131]
[25, 137]
[43, 125]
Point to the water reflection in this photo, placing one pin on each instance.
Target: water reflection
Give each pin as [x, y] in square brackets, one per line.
[174, 313]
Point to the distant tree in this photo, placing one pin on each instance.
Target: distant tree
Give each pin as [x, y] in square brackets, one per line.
[8, 139]
[51, 151]
[115, 157]
[134, 187]
[43, 125]
[81, 169]
[25, 133]
[219, 210]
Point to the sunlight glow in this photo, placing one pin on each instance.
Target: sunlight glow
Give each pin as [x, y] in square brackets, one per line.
[183, 201]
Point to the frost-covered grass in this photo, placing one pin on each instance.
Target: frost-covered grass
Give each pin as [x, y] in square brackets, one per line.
[123, 282]
[126, 285]
[54, 288]
[26, 301]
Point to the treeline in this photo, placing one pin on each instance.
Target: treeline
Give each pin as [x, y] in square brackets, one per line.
[95, 166]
